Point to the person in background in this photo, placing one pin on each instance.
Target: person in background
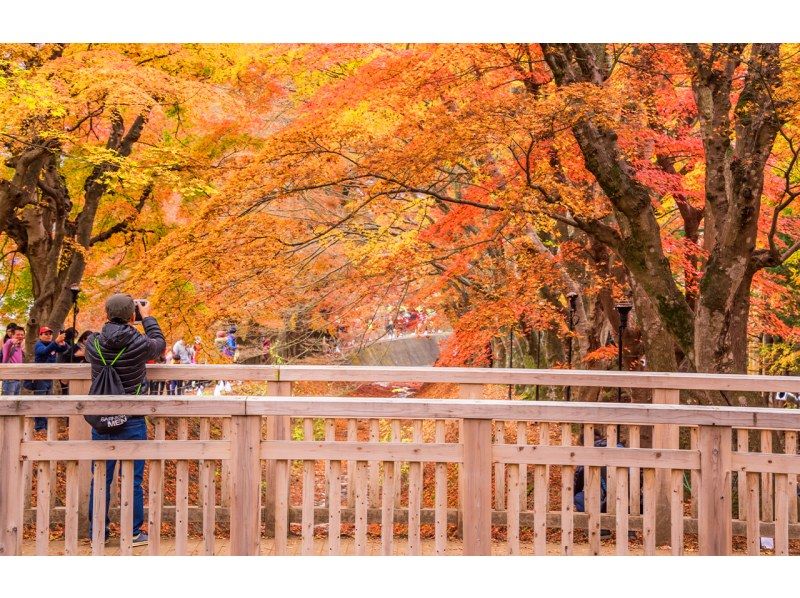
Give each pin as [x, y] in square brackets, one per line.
[13, 352]
[75, 352]
[12, 326]
[45, 351]
[230, 345]
[181, 355]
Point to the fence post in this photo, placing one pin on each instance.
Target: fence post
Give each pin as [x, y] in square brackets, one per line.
[477, 506]
[245, 523]
[665, 436]
[11, 486]
[465, 391]
[714, 511]
[277, 429]
[79, 429]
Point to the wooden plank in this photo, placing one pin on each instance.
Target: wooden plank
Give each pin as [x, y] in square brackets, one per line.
[42, 508]
[611, 472]
[767, 489]
[79, 429]
[27, 465]
[522, 438]
[415, 496]
[466, 392]
[385, 451]
[676, 512]
[330, 436]
[11, 486]
[753, 528]
[621, 512]
[771, 463]
[278, 428]
[595, 456]
[499, 468]
[634, 476]
[99, 509]
[477, 441]
[714, 511]
[361, 500]
[790, 448]
[694, 443]
[741, 482]
[155, 492]
[567, 496]
[147, 405]
[281, 506]
[352, 436]
[592, 503]
[387, 508]
[396, 437]
[126, 508]
[182, 495]
[374, 473]
[307, 522]
[126, 449]
[512, 517]
[782, 514]
[664, 437]
[71, 510]
[540, 497]
[440, 493]
[335, 508]
[649, 514]
[245, 485]
[207, 492]
[544, 440]
[225, 471]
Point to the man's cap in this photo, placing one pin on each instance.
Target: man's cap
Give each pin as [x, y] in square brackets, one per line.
[44, 329]
[120, 307]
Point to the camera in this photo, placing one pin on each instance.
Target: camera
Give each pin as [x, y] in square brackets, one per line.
[137, 314]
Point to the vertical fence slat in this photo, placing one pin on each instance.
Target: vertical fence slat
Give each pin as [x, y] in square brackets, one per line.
[477, 518]
[741, 478]
[361, 500]
[182, 495]
[567, 504]
[634, 476]
[782, 514]
[278, 428]
[753, 524]
[767, 487]
[522, 439]
[621, 514]
[155, 494]
[397, 436]
[245, 485]
[676, 514]
[79, 429]
[387, 508]
[440, 493]
[225, 468]
[790, 445]
[540, 509]
[71, 510]
[415, 496]
[208, 497]
[43, 507]
[335, 508]
[126, 508]
[591, 493]
[665, 436]
[500, 468]
[352, 436]
[611, 472]
[307, 519]
[649, 514]
[281, 492]
[374, 473]
[99, 509]
[714, 510]
[512, 513]
[11, 486]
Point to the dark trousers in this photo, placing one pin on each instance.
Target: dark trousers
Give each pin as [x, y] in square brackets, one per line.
[133, 429]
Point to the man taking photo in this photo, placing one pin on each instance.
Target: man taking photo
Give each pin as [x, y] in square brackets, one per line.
[119, 338]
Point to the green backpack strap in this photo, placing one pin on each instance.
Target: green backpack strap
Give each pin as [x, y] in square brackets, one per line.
[100, 353]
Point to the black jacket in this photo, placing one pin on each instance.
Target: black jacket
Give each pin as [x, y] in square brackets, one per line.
[139, 348]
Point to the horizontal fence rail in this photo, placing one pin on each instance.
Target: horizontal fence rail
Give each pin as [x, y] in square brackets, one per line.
[282, 474]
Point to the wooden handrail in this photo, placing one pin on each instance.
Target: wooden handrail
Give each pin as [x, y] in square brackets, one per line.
[391, 408]
[290, 373]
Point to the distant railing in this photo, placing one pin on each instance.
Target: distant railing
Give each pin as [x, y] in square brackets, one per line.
[447, 468]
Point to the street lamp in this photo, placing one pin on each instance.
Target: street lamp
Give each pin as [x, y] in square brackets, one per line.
[573, 299]
[75, 290]
[623, 309]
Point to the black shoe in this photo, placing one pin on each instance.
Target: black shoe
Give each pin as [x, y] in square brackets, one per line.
[605, 533]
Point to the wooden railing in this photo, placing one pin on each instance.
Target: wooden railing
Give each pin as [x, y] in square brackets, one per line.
[447, 468]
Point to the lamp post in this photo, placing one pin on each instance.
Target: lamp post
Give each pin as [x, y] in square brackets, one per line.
[573, 299]
[75, 290]
[623, 309]
[510, 355]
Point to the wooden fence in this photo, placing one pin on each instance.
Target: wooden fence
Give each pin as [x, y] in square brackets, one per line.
[388, 472]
